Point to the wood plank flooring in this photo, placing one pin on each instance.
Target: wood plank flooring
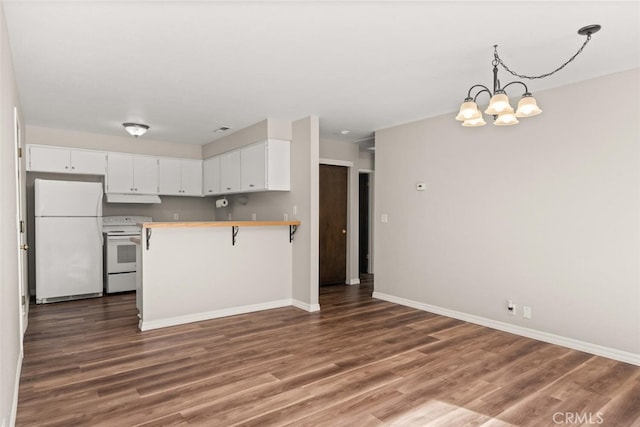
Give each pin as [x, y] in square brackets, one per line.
[358, 362]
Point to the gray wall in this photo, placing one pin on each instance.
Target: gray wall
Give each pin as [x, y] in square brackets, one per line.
[303, 197]
[545, 213]
[10, 331]
[340, 152]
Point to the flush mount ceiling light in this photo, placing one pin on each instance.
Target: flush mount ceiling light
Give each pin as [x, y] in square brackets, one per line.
[136, 129]
[499, 107]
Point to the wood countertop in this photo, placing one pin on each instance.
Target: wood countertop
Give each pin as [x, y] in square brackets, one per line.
[191, 224]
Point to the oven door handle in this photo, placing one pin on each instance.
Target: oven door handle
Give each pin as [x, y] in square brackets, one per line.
[125, 237]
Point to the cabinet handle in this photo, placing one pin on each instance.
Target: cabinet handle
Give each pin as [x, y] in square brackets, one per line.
[73, 167]
[251, 185]
[131, 188]
[228, 188]
[210, 191]
[66, 167]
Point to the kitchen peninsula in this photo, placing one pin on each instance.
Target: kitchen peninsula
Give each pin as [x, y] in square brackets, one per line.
[193, 271]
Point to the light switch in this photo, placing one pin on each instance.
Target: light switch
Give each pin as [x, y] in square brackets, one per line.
[384, 218]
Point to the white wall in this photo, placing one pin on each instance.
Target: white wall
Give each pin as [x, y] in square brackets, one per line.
[125, 143]
[304, 136]
[10, 333]
[545, 213]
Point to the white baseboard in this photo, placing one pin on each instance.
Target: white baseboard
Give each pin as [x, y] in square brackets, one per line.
[306, 307]
[16, 392]
[353, 281]
[598, 350]
[181, 320]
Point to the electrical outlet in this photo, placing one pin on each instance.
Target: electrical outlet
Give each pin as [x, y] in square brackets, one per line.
[176, 216]
[254, 217]
[511, 307]
[285, 216]
[526, 312]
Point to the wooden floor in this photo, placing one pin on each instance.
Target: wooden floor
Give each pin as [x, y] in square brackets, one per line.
[358, 362]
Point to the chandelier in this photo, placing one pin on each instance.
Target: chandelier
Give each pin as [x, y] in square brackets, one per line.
[499, 106]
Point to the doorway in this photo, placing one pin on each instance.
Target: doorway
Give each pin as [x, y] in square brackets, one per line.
[363, 223]
[333, 224]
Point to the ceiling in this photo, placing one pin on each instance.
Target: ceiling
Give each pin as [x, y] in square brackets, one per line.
[186, 68]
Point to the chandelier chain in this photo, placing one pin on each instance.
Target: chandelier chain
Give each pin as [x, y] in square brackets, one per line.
[498, 60]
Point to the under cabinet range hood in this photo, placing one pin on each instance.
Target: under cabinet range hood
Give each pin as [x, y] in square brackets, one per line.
[132, 198]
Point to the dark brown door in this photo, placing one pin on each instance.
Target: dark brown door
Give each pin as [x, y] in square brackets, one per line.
[333, 224]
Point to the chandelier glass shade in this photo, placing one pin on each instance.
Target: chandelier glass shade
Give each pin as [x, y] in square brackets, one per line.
[499, 105]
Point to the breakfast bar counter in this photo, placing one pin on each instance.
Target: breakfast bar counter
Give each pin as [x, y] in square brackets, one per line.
[193, 271]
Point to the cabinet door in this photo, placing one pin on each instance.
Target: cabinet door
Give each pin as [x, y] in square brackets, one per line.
[169, 176]
[45, 159]
[145, 175]
[88, 162]
[191, 177]
[253, 167]
[211, 176]
[120, 173]
[230, 172]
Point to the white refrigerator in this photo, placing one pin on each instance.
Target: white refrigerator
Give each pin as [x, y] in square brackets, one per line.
[68, 217]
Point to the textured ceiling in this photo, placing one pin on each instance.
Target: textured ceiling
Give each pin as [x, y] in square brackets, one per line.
[187, 68]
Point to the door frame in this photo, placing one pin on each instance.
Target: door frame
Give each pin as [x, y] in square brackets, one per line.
[353, 273]
[21, 227]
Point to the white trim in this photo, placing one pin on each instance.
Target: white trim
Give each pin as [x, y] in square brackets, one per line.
[181, 320]
[598, 350]
[16, 392]
[366, 170]
[353, 281]
[333, 162]
[306, 307]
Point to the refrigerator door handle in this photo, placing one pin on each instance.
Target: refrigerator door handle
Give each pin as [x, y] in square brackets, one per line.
[99, 228]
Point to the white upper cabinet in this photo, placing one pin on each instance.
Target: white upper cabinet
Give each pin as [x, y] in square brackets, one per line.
[131, 174]
[230, 172]
[191, 177]
[265, 166]
[65, 160]
[180, 177]
[253, 167]
[211, 176]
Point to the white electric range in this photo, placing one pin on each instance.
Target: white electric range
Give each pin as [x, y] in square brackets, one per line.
[120, 252]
